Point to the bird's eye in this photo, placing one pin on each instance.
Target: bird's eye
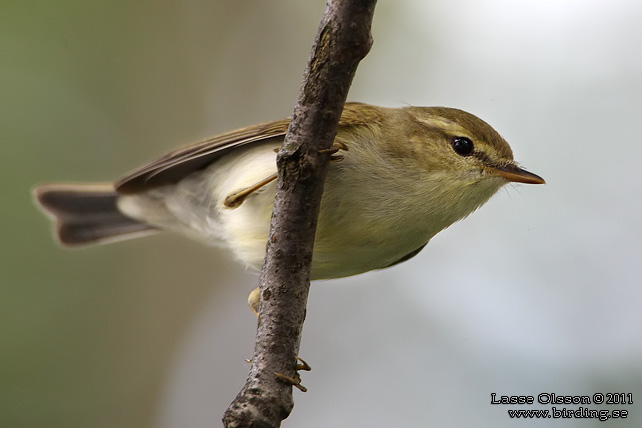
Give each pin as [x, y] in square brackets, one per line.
[463, 146]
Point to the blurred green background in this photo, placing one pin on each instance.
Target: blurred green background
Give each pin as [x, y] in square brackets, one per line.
[88, 91]
[537, 292]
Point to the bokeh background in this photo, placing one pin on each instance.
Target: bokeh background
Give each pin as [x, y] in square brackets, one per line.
[538, 292]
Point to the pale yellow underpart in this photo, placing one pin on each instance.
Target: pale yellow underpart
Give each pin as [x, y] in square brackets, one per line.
[367, 221]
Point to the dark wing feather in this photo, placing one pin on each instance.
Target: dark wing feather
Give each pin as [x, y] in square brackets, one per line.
[176, 165]
[408, 256]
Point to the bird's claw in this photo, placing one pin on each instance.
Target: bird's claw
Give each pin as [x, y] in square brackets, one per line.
[302, 365]
[296, 379]
[336, 146]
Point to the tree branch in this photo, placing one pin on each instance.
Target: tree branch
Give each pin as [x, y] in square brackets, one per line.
[342, 41]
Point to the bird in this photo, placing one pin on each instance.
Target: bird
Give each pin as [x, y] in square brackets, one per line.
[399, 176]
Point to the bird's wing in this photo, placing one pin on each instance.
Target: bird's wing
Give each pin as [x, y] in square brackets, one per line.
[408, 256]
[176, 165]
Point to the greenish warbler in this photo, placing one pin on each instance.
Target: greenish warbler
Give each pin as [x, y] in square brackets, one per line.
[401, 176]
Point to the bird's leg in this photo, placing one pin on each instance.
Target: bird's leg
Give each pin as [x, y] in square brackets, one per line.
[335, 147]
[235, 199]
[254, 301]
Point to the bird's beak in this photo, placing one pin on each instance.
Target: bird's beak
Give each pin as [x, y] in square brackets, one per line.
[512, 172]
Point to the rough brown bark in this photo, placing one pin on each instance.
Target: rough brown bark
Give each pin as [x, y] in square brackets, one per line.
[342, 41]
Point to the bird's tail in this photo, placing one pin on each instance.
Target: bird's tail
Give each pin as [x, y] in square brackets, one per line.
[87, 214]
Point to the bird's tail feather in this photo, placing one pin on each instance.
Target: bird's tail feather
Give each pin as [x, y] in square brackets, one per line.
[87, 214]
